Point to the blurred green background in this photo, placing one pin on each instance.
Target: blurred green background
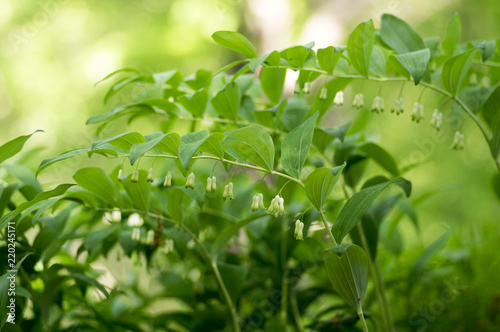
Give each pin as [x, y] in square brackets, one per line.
[52, 52]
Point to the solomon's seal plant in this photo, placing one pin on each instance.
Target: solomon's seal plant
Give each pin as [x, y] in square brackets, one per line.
[265, 144]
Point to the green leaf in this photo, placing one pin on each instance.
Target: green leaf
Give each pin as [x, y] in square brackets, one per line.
[347, 268]
[414, 63]
[195, 103]
[253, 144]
[122, 70]
[13, 147]
[138, 192]
[227, 101]
[295, 147]
[357, 205]
[495, 138]
[233, 277]
[360, 46]
[328, 58]
[319, 184]
[177, 202]
[399, 35]
[190, 144]
[272, 81]
[453, 33]
[432, 43]
[235, 41]
[122, 141]
[58, 191]
[296, 56]
[169, 142]
[323, 137]
[90, 281]
[486, 47]
[455, 70]
[213, 145]
[97, 182]
[381, 157]
[294, 112]
[377, 62]
[66, 155]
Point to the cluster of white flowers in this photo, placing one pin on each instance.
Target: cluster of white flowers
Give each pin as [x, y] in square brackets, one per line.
[378, 104]
[458, 141]
[277, 206]
[339, 98]
[228, 191]
[257, 202]
[211, 184]
[399, 106]
[358, 101]
[418, 112]
[437, 119]
[113, 216]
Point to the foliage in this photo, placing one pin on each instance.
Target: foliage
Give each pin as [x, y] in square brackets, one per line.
[227, 138]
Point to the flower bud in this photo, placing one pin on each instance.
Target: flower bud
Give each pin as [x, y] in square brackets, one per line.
[214, 183]
[323, 94]
[116, 215]
[168, 180]
[485, 82]
[169, 245]
[261, 201]
[135, 177]
[418, 112]
[307, 88]
[299, 230]
[107, 217]
[209, 185]
[151, 176]
[150, 237]
[437, 119]
[358, 101]
[136, 234]
[120, 175]
[378, 104]
[339, 98]
[226, 192]
[230, 191]
[190, 181]
[281, 206]
[135, 220]
[297, 89]
[277, 206]
[398, 106]
[458, 141]
[255, 203]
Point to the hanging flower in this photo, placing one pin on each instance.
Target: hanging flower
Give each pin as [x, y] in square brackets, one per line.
[116, 215]
[120, 175]
[135, 177]
[437, 119]
[339, 98]
[378, 104]
[214, 183]
[228, 191]
[168, 180]
[307, 88]
[190, 181]
[136, 234]
[277, 206]
[458, 141]
[135, 220]
[299, 230]
[151, 176]
[323, 94]
[358, 101]
[150, 237]
[209, 185]
[399, 105]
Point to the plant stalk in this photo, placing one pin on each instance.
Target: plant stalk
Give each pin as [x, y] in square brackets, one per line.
[362, 319]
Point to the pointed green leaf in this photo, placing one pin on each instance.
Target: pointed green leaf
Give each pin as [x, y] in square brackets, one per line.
[138, 192]
[357, 205]
[377, 62]
[235, 41]
[360, 46]
[328, 58]
[227, 101]
[414, 63]
[347, 268]
[253, 144]
[13, 147]
[296, 56]
[190, 144]
[455, 70]
[453, 33]
[319, 184]
[381, 157]
[122, 141]
[399, 35]
[272, 81]
[233, 277]
[213, 145]
[195, 103]
[164, 142]
[295, 147]
[98, 182]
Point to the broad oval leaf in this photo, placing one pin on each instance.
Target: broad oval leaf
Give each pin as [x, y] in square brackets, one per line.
[227, 101]
[213, 145]
[414, 63]
[455, 70]
[319, 184]
[98, 182]
[347, 268]
[169, 142]
[66, 155]
[360, 46]
[235, 41]
[328, 58]
[190, 144]
[357, 205]
[195, 103]
[381, 157]
[377, 62]
[253, 144]
[122, 141]
[295, 147]
[272, 81]
[453, 32]
[138, 192]
[399, 35]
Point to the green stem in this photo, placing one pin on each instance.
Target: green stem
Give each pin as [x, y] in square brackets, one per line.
[284, 279]
[257, 168]
[325, 223]
[229, 302]
[295, 311]
[362, 319]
